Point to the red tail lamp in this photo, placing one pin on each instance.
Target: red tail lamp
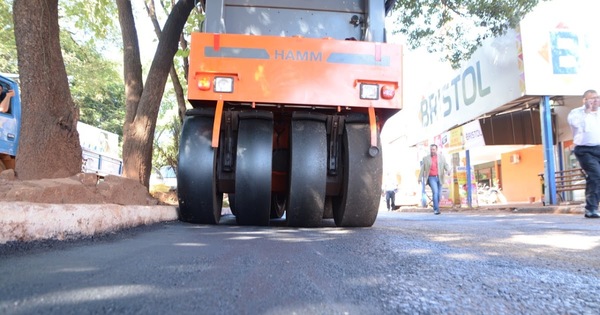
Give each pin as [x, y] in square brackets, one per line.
[204, 84]
[388, 92]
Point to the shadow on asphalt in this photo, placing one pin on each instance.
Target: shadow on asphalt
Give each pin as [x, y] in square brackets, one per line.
[229, 219]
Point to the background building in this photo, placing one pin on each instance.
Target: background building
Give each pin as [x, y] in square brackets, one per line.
[504, 108]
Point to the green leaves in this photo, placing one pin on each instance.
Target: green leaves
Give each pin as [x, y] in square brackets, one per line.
[8, 48]
[95, 17]
[457, 28]
[166, 143]
[95, 83]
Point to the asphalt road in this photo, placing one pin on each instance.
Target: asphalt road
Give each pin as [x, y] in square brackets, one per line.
[407, 263]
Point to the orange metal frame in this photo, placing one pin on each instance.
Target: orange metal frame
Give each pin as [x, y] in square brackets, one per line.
[294, 70]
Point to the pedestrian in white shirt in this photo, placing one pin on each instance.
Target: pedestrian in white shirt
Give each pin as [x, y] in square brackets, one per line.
[585, 125]
[390, 187]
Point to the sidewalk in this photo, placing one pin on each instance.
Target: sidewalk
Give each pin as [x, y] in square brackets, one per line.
[524, 207]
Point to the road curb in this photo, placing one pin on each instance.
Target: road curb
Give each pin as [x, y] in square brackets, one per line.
[23, 221]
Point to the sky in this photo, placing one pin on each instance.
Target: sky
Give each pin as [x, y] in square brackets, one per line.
[146, 35]
[145, 32]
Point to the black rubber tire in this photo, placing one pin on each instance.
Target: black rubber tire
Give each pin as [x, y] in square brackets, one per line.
[253, 168]
[308, 173]
[199, 201]
[358, 202]
[328, 210]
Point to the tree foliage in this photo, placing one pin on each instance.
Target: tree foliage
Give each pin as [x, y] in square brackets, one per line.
[88, 35]
[165, 151]
[8, 49]
[143, 103]
[94, 19]
[95, 83]
[456, 28]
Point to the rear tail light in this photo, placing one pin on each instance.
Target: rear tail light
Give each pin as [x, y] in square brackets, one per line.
[204, 84]
[387, 92]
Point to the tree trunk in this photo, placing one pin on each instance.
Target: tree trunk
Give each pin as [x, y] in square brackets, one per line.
[49, 142]
[186, 66]
[183, 44]
[179, 94]
[141, 120]
[132, 72]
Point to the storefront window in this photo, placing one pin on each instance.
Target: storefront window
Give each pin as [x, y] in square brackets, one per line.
[486, 174]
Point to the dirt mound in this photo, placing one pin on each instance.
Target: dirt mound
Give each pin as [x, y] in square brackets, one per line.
[83, 188]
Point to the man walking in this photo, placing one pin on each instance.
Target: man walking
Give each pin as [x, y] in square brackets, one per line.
[390, 186]
[433, 170]
[585, 125]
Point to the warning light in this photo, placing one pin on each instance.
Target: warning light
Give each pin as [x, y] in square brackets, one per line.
[204, 84]
[387, 93]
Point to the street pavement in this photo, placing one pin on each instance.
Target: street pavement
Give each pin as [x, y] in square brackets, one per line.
[523, 207]
[24, 222]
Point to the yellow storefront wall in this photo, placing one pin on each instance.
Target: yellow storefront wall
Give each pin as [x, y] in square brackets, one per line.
[520, 180]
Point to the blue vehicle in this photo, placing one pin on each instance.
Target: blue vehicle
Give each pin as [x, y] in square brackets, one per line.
[10, 125]
[94, 158]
